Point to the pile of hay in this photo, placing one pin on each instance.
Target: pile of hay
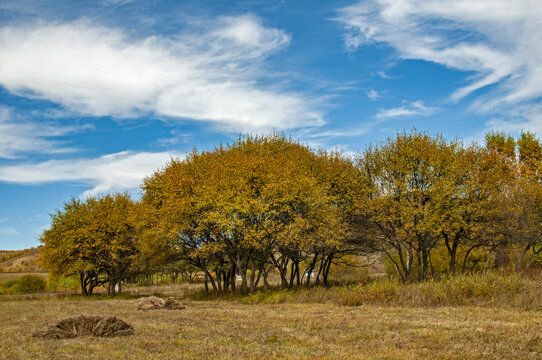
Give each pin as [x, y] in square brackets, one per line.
[81, 325]
[153, 303]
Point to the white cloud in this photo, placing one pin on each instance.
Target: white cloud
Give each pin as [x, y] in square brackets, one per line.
[416, 108]
[8, 231]
[383, 75]
[213, 75]
[373, 95]
[113, 172]
[498, 40]
[21, 136]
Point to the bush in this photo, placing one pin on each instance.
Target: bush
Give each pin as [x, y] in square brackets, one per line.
[9, 287]
[31, 284]
[63, 282]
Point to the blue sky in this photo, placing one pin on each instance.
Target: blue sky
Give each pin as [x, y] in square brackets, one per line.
[96, 95]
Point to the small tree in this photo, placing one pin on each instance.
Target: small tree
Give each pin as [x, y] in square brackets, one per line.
[91, 238]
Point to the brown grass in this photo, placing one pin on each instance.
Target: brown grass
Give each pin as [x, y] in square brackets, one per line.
[226, 330]
[492, 290]
[17, 275]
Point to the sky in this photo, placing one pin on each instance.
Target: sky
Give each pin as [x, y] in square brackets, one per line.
[97, 95]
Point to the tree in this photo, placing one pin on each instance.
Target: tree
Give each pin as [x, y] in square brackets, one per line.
[412, 180]
[92, 238]
[528, 198]
[255, 203]
[65, 244]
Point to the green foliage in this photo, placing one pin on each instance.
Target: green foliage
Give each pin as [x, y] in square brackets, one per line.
[31, 284]
[63, 282]
[26, 284]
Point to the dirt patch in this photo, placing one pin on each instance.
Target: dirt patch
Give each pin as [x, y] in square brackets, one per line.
[82, 325]
[155, 303]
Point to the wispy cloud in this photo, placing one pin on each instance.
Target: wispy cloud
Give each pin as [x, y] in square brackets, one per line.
[175, 138]
[498, 40]
[416, 108]
[383, 75]
[113, 172]
[19, 136]
[8, 231]
[210, 73]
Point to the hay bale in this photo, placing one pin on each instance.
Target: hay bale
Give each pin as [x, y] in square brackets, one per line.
[82, 325]
[154, 303]
[112, 326]
[150, 303]
[171, 304]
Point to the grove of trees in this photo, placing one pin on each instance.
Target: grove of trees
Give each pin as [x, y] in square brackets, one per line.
[269, 204]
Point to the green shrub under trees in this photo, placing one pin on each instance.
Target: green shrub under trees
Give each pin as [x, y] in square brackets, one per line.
[31, 284]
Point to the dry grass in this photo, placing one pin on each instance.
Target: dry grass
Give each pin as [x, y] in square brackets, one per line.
[17, 275]
[492, 290]
[226, 330]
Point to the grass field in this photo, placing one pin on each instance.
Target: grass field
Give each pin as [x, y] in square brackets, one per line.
[17, 275]
[231, 330]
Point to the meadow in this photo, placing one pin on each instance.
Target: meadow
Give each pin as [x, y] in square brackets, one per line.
[481, 317]
[222, 330]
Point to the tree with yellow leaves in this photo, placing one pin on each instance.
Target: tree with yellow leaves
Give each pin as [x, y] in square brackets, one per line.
[243, 208]
[92, 238]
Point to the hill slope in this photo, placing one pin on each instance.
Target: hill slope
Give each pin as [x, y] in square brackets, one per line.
[19, 261]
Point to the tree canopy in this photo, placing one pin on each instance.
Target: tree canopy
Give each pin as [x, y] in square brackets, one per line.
[270, 204]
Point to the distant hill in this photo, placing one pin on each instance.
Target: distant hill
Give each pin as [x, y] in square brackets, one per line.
[20, 260]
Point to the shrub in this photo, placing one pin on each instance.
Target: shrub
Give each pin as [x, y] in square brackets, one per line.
[63, 282]
[31, 284]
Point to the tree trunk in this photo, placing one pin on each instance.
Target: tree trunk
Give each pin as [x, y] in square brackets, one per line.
[425, 264]
[452, 251]
[535, 252]
[260, 270]
[464, 266]
[518, 264]
[298, 280]
[292, 274]
[320, 268]
[487, 260]
[310, 269]
[233, 274]
[265, 281]
[82, 279]
[326, 269]
[252, 275]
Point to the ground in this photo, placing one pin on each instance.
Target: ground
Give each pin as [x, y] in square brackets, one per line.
[234, 331]
[17, 275]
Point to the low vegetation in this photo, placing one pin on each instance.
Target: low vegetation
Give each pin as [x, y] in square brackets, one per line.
[226, 330]
[490, 290]
[26, 284]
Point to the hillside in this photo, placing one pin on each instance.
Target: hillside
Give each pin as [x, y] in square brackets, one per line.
[21, 260]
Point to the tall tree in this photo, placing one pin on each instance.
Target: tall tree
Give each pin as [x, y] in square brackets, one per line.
[245, 206]
[412, 179]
